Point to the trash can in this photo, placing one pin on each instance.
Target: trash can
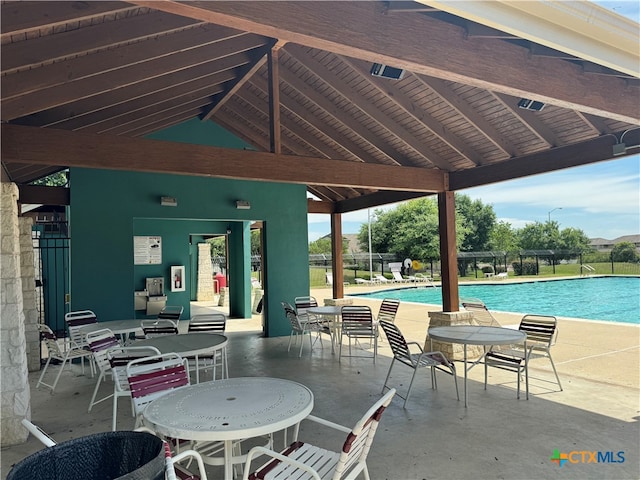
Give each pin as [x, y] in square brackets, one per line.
[103, 456]
[221, 282]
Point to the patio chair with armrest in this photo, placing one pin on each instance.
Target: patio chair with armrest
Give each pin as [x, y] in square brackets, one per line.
[541, 333]
[358, 323]
[56, 353]
[158, 328]
[209, 323]
[301, 327]
[388, 310]
[481, 314]
[171, 312]
[111, 358]
[153, 376]
[75, 320]
[402, 353]
[302, 304]
[304, 460]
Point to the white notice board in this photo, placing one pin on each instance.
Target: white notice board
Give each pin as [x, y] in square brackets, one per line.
[147, 250]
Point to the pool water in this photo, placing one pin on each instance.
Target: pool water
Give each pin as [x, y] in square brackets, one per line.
[614, 299]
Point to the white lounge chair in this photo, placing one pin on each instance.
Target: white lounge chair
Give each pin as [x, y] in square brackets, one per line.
[398, 278]
[382, 279]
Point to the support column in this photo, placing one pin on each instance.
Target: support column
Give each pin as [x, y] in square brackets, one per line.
[14, 388]
[205, 274]
[448, 253]
[29, 301]
[336, 255]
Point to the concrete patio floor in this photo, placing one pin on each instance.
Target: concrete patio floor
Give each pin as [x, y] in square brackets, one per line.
[435, 436]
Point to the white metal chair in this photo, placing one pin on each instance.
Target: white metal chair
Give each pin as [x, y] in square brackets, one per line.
[75, 320]
[541, 333]
[111, 359]
[388, 310]
[301, 327]
[153, 376]
[210, 323]
[304, 460]
[56, 353]
[158, 327]
[302, 304]
[481, 314]
[171, 312]
[358, 323]
[402, 353]
[40, 434]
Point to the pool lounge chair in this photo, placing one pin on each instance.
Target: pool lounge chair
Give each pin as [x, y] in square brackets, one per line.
[398, 278]
[363, 281]
[382, 279]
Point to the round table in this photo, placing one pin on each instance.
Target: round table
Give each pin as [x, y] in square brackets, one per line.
[478, 335]
[190, 345]
[228, 410]
[121, 328]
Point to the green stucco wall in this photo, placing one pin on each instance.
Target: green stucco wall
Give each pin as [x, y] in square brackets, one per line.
[109, 207]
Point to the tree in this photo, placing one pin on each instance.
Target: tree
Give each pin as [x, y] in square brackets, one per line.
[503, 238]
[58, 179]
[409, 230]
[478, 220]
[575, 240]
[624, 252]
[323, 246]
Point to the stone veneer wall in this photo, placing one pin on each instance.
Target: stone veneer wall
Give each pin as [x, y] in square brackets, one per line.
[205, 274]
[29, 300]
[14, 390]
[453, 351]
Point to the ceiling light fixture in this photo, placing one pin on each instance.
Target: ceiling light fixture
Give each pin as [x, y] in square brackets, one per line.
[532, 105]
[385, 71]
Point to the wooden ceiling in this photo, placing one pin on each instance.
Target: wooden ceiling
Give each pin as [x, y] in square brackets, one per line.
[84, 82]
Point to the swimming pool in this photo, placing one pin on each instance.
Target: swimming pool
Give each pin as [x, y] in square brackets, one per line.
[615, 299]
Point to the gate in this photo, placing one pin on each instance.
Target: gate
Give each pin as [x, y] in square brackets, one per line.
[51, 250]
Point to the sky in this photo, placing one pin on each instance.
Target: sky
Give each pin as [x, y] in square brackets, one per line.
[602, 199]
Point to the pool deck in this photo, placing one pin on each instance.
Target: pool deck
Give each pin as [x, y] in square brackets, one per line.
[434, 436]
[607, 352]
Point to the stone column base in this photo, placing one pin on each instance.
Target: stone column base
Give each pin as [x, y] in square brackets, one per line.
[453, 351]
[337, 302]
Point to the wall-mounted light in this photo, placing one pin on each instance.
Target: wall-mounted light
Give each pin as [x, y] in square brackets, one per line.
[532, 105]
[243, 205]
[228, 229]
[168, 201]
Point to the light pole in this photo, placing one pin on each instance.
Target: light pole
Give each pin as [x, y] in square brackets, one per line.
[370, 254]
[553, 210]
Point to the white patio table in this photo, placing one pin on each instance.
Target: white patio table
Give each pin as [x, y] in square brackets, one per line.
[478, 335]
[191, 345]
[122, 328]
[230, 410]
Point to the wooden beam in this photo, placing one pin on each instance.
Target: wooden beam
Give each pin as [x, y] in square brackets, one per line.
[590, 151]
[273, 73]
[361, 30]
[41, 145]
[315, 206]
[375, 200]
[243, 77]
[41, 195]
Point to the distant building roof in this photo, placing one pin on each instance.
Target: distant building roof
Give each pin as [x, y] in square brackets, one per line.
[604, 244]
[352, 239]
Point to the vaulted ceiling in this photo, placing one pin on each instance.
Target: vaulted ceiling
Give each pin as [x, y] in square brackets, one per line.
[83, 82]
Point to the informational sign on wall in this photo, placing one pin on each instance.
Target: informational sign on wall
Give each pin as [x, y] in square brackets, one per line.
[147, 250]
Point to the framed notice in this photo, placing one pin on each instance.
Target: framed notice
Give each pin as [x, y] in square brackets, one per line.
[147, 250]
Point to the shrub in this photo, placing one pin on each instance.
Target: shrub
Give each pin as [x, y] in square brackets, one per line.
[527, 267]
